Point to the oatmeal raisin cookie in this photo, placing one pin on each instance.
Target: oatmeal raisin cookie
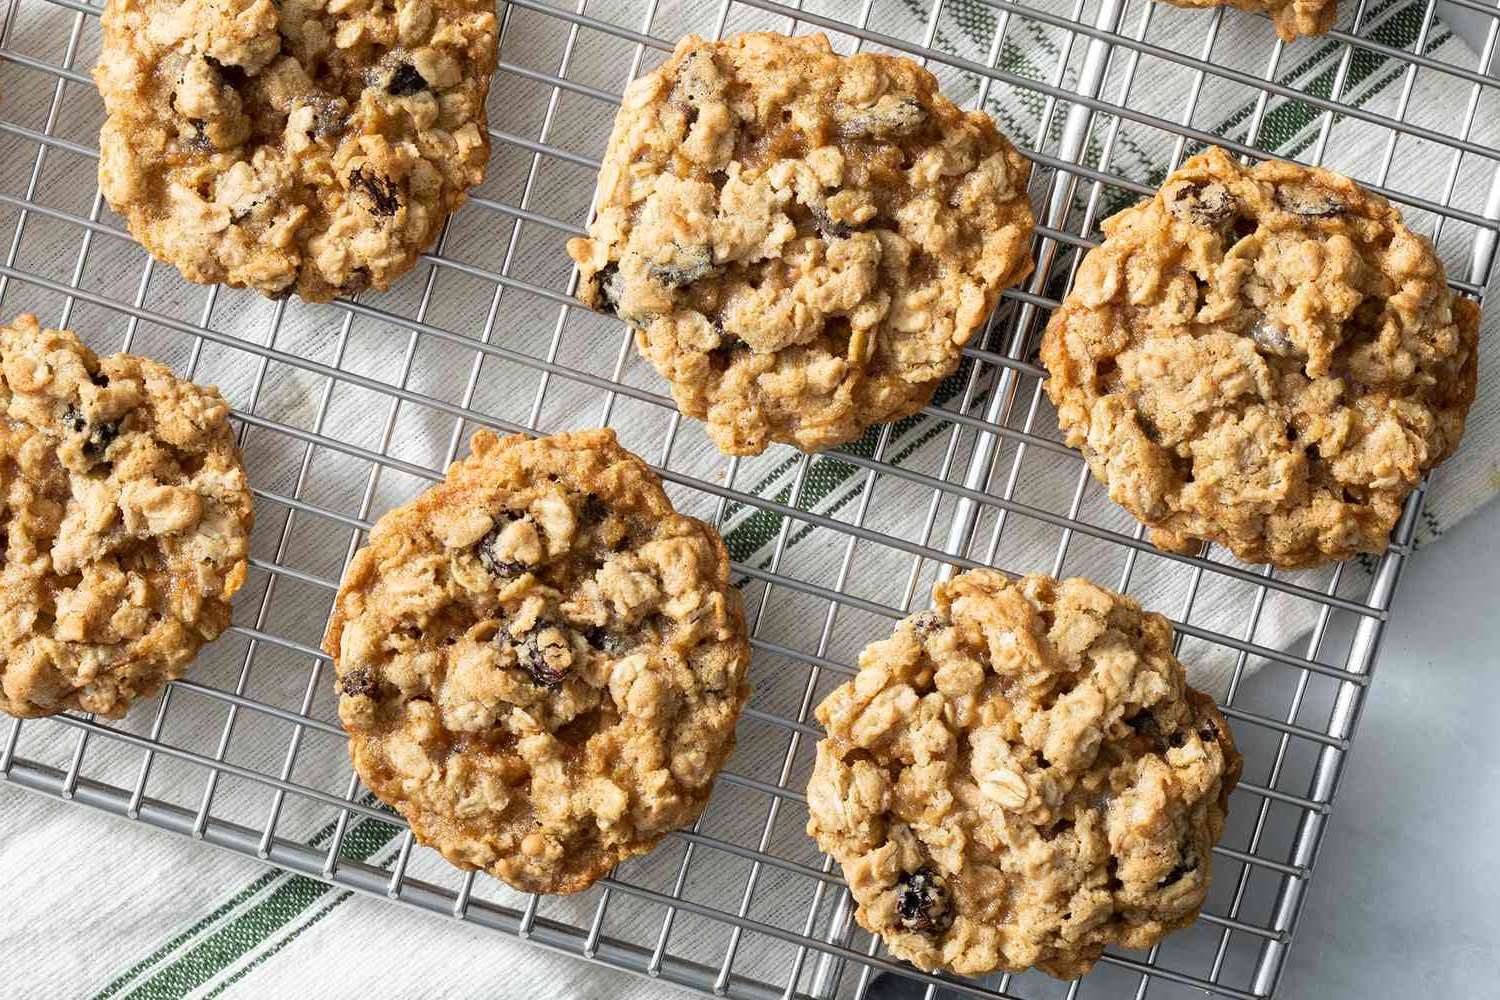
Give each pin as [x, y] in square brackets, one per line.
[289, 146]
[1021, 776]
[1265, 357]
[803, 242]
[124, 524]
[540, 663]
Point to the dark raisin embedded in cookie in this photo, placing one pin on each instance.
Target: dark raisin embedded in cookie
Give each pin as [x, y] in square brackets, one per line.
[688, 264]
[1309, 201]
[358, 683]
[546, 654]
[593, 510]
[231, 74]
[380, 194]
[405, 81]
[922, 901]
[100, 434]
[1206, 205]
[1144, 722]
[1186, 866]
[828, 227]
[610, 292]
[489, 552]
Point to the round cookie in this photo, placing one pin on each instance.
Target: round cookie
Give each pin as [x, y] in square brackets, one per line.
[287, 147]
[124, 524]
[802, 242]
[1292, 19]
[1021, 776]
[540, 663]
[1266, 358]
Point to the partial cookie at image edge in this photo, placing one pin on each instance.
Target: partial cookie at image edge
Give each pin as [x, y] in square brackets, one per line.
[125, 517]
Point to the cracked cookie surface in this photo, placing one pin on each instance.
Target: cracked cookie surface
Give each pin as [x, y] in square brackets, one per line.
[124, 524]
[1292, 19]
[291, 146]
[1021, 776]
[540, 663]
[803, 242]
[1266, 358]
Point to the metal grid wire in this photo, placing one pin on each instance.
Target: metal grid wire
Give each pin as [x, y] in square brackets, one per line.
[333, 405]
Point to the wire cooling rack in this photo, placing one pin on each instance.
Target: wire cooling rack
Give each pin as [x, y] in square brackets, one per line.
[345, 410]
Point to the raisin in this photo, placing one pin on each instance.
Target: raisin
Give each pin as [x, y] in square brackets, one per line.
[607, 642]
[382, 193]
[1309, 201]
[232, 75]
[100, 435]
[608, 288]
[689, 264]
[921, 901]
[720, 357]
[533, 656]
[1208, 732]
[357, 682]
[486, 550]
[1144, 723]
[358, 281]
[1206, 205]
[405, 81]
[1148, 427]
[99, 378]
[593, 510]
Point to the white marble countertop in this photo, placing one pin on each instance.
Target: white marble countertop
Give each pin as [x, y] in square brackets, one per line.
[1406, 886]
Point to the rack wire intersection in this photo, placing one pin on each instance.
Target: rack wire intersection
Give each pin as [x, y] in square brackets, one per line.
[345, 410]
